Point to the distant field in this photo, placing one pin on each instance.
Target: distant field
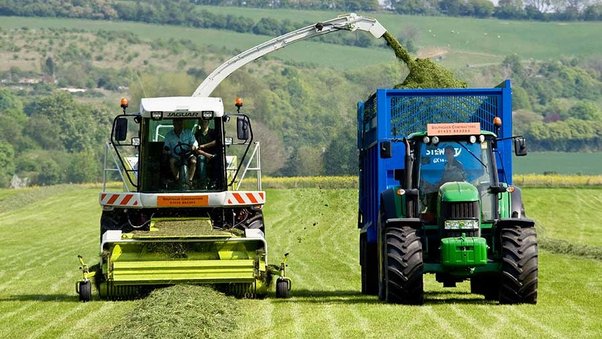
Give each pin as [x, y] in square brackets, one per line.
[460, 41]
[468, 38]
[308, 52]
[559, 162]
[42, 234]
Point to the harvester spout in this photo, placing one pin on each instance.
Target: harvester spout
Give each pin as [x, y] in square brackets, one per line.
[348, 22]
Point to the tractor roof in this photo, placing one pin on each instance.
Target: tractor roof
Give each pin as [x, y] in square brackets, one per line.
[182, 107]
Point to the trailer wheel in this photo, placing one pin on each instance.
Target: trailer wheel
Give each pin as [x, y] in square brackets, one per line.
[84, 290]
[283, 289]
[368, 264]
[403, 266]
[519, 265]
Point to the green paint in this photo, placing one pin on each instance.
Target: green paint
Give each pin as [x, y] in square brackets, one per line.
[458, 191]
[463, 252]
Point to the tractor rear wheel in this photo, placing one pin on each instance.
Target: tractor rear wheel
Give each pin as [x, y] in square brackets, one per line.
[368, 263]
[487, 285]
[403, 266]
[519, 265]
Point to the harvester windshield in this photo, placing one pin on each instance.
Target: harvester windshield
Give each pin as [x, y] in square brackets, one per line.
[457, 161]
[191, 159]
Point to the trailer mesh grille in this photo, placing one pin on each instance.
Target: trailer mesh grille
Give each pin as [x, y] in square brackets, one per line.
[412, 113]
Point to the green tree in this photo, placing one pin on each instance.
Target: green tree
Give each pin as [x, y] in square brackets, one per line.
[340, 157]
[585, 110]
[7, 163]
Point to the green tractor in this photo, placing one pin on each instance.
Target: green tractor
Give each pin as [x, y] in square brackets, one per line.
[447, 206]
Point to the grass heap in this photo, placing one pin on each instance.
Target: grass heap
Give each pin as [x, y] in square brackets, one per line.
[424, 73]
[565, 247]
[181, 311]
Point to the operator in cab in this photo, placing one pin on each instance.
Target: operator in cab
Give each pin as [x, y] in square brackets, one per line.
[180, 147]
[453, 170]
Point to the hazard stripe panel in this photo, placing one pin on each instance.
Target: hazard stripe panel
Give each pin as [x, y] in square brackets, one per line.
[245, 198]
[119, 199]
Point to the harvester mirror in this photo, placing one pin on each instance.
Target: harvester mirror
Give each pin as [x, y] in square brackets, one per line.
[121, 129]
[520, 146]
[242, 128]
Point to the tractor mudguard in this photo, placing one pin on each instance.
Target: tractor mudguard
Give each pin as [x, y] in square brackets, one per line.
[520, 222]
[414, 223]
[517, 208]
[391, 204]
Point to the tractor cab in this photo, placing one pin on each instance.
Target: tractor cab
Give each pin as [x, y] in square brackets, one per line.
[452, 173]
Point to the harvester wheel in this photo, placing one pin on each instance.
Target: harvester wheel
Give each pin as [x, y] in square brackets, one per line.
[403, 266]
[519, 265]
[283, 289]
[111, 220]
[368, 263]
[85, 290]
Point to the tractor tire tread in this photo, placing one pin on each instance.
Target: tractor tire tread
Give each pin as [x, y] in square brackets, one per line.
[519, 266]
[404, 266]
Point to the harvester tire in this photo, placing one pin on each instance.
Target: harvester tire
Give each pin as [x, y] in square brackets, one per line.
[283, 289]
[403, 266]
[110, 221]
[519, 265]
[369, 269]
[85, 290]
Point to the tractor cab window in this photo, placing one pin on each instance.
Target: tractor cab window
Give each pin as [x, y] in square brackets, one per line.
[456, 160]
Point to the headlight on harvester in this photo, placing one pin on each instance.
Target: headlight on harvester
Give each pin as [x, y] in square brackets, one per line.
[461, 224]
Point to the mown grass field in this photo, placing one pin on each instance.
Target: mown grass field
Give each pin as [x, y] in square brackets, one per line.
[43, 230]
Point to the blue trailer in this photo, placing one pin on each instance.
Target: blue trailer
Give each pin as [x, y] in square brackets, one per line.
[436, 195]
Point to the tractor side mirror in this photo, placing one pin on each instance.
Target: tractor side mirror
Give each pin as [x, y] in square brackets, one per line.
[520, 146]
[242, 128]
[121, 129]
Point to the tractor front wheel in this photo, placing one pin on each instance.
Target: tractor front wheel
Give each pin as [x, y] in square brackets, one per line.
[403, 266]
[519, 265]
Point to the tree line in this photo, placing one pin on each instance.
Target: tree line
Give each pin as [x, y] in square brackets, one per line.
[188, 12]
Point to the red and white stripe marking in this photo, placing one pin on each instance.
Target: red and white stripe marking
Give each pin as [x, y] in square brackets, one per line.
[245, 198]
[119, 199]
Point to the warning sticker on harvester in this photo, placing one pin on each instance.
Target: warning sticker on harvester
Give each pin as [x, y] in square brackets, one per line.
[182, 201]
[463, 128]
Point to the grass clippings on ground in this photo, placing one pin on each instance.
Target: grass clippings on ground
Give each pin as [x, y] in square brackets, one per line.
[181, 311]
